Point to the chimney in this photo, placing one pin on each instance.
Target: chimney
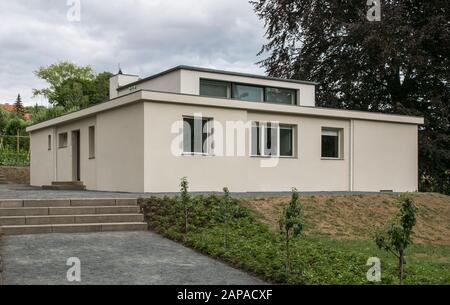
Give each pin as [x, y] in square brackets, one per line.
[120, 80]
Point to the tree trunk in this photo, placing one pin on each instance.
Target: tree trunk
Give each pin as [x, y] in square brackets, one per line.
[185, 219]
[401, 266]
[288, 258]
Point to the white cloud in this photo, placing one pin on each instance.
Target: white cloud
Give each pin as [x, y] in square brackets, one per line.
[145, 36]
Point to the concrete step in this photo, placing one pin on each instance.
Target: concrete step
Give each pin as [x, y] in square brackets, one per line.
[71, 210]
[69, 219]
[29, 203]
[67, 183]
[64, 187]
[74, 228]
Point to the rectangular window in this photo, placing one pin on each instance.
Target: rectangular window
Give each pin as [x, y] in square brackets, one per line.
[215, 88]
[286, 141]
[269, 140]
[331, 143]
[62, 140]
[248, 93]
[196, 132]
[280, 96]
[49, 142]
[91, 142]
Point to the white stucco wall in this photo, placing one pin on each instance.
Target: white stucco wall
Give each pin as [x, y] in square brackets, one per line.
[134, 138]
[119, 159]
[188, 82]
[306, 171]
[385, 156]
[120, 154]
[56, 164]
[41, 159]
[170, 82]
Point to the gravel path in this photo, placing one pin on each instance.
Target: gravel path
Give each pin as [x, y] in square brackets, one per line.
[112, 258]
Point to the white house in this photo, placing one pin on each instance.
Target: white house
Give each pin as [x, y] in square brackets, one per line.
[250, 133]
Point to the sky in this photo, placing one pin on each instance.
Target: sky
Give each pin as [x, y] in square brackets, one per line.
[144, 36]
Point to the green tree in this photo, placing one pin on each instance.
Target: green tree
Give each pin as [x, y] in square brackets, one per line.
[226, 207]
[18, 106]
[291, 225]
[398, 65]
[185, 198]
[4, 119]
[397, 236]
[100, 88]
[42, 114]
[56, 74]
[16, 126]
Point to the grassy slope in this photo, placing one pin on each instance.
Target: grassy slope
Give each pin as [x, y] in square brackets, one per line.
[347, 223]
[356, 217]
[337, 245]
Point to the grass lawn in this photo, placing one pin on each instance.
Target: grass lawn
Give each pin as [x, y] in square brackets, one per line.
[336, 246]
[425, 264]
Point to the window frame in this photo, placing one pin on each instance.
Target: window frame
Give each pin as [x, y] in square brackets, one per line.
[294, 91]
[340, 143]
[49, 142]
[91, 142]
[234, 84]
[209, 122]
[66, 136]
[262, 135]
[230, 94]
[228, 84]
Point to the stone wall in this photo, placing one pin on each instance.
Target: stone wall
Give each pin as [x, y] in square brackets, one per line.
[15, 175]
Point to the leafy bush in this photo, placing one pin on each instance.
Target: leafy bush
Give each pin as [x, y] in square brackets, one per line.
[10, 157]
[251, 245]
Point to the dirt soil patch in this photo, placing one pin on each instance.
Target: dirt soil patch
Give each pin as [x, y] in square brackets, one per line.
[356, 217]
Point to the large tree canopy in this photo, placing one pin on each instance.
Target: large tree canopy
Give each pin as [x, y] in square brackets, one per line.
[73, 87]
[400, 64]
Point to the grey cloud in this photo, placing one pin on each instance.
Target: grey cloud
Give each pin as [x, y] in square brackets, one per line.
[144, 36]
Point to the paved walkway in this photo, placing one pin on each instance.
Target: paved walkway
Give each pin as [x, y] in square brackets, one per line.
[111, 258]
[27, 192]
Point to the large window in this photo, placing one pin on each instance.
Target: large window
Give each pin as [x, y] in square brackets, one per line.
[196, 132]
[331, 143]
[280, 96]
[91, 142]
[247, 92]
[215, 88]
[272, 140]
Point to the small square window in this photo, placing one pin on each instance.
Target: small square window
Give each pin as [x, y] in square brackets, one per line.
[331, 143]
[62, 140]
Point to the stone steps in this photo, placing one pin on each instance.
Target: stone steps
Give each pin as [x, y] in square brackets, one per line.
[69, 219]
[70, 216]
[65, 186]
[74, 228]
